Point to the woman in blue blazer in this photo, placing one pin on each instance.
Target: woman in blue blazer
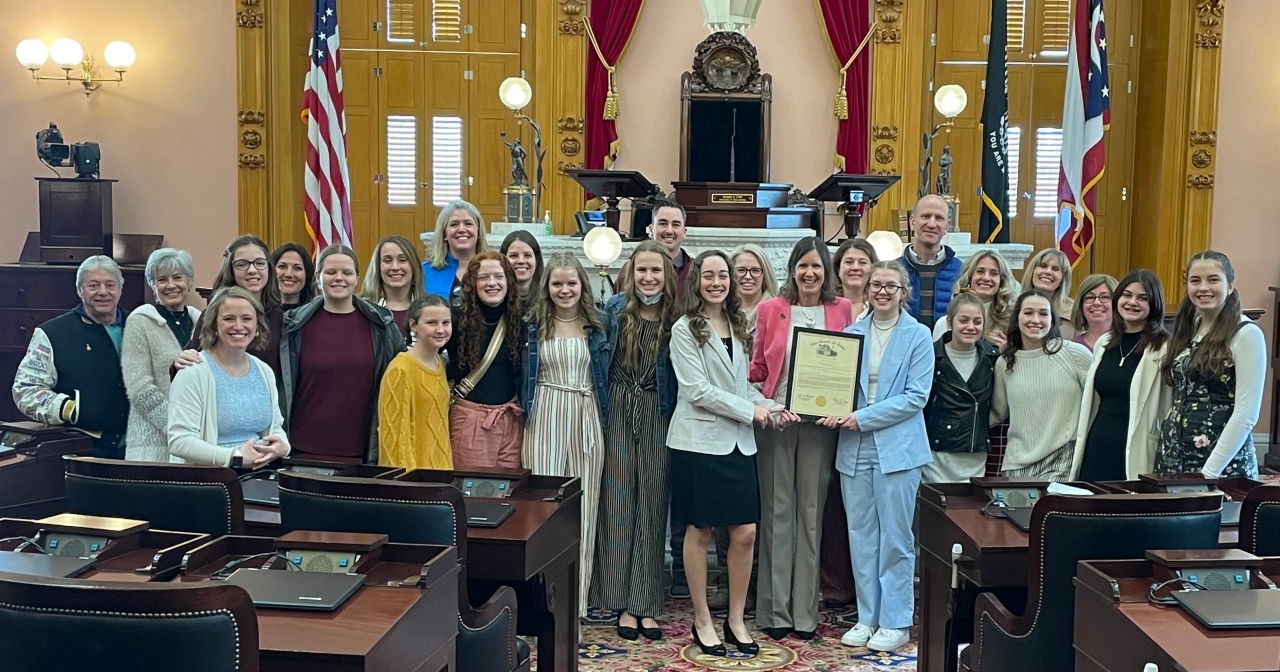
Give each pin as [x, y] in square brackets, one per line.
[882, 448]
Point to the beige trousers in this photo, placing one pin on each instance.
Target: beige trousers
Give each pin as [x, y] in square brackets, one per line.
[795, 467]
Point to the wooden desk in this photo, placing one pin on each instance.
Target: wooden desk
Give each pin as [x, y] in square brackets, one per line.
[994, 556]
[387, 625]
[31, 477]
[1112, 608]
[148, 555]
[535, 551]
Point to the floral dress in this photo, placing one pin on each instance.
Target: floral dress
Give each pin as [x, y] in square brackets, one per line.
[1201, 408]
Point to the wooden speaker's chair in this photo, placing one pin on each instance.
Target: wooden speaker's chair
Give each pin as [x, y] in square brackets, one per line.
[1260, 521]
[50, 625]
[411, 513]
[182, 497]
[1064, 531]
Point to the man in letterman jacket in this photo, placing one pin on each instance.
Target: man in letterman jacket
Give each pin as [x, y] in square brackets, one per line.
[71, 372]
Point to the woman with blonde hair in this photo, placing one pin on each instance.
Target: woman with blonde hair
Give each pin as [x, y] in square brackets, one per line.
[459, 236]
[1050, 272]
[642, 395]
[566, 390]
[852, 262]
[1091, 316]
[987, 276]
[756, 282]
[226, 406]
[485, 424]
[393, 279]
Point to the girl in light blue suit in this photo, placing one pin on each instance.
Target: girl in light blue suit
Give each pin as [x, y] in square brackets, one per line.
[881, 451]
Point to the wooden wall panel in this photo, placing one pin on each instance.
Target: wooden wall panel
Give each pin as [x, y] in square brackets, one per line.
[497, 26]
[487, 155]
[251, 103]
[898, 84]
[360, 98]
[402, 93]
[558, 68]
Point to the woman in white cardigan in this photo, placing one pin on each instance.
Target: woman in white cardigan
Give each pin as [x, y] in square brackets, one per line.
[225, 410]
[154, 336]
[1125, 396]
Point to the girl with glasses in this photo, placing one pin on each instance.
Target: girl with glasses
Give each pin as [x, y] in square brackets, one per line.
[756, 283]
[883, 446]
[246, 264]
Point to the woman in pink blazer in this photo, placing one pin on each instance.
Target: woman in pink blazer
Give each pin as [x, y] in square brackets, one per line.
[794, 464]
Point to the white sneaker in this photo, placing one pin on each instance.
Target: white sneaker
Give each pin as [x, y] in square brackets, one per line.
[888, 639]
[858, 635]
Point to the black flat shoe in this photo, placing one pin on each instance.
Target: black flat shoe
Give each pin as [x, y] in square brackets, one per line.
[804, 634]
[628, 633]
[716, 650]
[749, 648]
[777, 634]
[651, 634]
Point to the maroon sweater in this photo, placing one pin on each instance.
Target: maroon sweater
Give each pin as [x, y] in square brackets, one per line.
[333, 405]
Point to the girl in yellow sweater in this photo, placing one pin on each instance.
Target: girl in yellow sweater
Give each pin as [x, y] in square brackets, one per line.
[413, 405]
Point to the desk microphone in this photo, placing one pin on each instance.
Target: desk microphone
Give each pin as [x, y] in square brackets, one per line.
[956, 551]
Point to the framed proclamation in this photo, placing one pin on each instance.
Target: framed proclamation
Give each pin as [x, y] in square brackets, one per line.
[824, 373]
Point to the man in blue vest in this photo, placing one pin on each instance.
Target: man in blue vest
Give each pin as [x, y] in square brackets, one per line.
[933, 267]
[71, 372]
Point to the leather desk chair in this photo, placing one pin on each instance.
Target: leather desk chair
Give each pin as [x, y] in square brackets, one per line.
[51, 625]
[180, 497]
[1260, 521]
[411, 513]
[1064, 531]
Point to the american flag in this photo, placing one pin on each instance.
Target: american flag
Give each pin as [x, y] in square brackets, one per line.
[327, 203]
[1086, 115]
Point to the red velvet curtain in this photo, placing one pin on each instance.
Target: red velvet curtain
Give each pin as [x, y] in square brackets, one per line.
[612, 23]
[846, 23]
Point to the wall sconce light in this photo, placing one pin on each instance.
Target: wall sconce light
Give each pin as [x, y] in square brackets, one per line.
[603, 246]
[67, 54]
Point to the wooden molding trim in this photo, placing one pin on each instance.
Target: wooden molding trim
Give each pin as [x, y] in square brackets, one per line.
[897, 92]
[251, 90]
[559, 77]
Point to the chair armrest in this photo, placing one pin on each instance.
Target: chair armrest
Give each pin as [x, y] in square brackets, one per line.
[487, 634]
[993, 649]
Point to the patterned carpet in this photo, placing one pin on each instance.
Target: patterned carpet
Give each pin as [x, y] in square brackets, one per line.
[602, 650]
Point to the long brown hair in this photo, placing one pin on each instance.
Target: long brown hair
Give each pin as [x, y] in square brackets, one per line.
[227, 275]
[1052, 341]
[308, 291]
[542, 309]
[1153, 332]
[1210, 358]
[371, 289]
[830, 286]
[470, 328]
[1002, 304]
[631, 320]
[693, 303]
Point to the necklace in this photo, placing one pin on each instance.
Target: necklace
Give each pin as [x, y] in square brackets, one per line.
[1125, 355]
[807, 315]
[880, 335]
[562, 319]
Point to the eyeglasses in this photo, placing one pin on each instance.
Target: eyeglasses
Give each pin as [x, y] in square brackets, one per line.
[1096, 298]
[744, 272]
[244, 264]
[877, 288]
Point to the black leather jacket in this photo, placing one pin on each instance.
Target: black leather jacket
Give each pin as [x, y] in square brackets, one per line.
[958, 411]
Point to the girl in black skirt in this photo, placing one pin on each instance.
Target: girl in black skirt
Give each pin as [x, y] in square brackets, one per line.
[713, 446]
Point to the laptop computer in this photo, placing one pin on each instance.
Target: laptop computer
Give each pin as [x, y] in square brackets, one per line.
[1231, 513]
[288, 589]
[487, 512]
[39, 564]
[265, 491]
[1232, 609]
[1021, 518]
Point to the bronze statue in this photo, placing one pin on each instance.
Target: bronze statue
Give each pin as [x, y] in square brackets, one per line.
[944, 171]
[519, 177]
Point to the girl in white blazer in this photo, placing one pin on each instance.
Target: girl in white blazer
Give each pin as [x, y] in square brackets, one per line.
[1133, 350]
[713, 445]
[245, 422]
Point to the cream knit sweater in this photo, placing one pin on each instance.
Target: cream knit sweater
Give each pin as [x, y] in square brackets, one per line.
[1041, 399]
[146, 353]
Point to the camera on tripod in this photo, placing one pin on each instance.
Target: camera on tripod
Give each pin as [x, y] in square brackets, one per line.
[85, 157]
